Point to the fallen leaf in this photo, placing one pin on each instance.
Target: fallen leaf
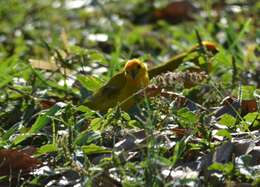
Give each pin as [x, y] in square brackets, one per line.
[44, 65]
[49, 66]
[16, 162]
[248, 106]
[180, 132]
[176, 12]
[45, 104]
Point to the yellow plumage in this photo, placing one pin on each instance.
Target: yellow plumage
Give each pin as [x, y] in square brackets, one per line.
[120, 88]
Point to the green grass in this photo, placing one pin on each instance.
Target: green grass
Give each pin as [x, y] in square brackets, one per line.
[162, 139]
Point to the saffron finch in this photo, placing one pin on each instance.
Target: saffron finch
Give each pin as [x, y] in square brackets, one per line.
[121, 87]
[135, 76]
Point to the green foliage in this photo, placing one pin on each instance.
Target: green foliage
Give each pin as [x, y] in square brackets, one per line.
[224, 133]
[47, 148]
[41, 121]
[227, 169]
[86, 137]
[186, 118]
[94, 149]
[90, 82]
[228, 121]
[248, 92]
[252, 120]
[41, 107]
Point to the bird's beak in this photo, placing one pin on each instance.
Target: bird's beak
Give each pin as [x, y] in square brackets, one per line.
[133, 73]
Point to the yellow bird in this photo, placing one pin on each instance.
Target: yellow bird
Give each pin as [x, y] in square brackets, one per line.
[119, 90]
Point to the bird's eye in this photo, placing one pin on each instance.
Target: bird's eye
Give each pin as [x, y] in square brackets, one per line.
[138, 66]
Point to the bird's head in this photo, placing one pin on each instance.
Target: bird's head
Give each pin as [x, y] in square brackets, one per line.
[135, 69]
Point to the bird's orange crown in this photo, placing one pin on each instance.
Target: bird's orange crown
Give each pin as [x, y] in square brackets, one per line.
[132, 63]
[135, 70]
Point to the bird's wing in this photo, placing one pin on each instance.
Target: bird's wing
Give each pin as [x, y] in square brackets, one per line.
[113, 86]
[108, 95]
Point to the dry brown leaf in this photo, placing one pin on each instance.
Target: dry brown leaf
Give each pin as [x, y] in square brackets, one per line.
[232, 106]
[15, 162]
[180, 132]
[45, 104]
[48, 65]
[151, 91]
[248, 106]
[43, 64]
[176, 12]
[64, 39]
